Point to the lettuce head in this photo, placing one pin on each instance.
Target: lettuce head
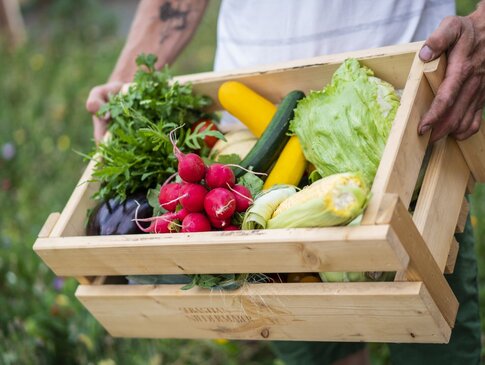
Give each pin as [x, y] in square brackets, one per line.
[344, 127]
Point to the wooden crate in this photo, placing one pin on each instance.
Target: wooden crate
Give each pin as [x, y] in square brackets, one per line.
[418, 306]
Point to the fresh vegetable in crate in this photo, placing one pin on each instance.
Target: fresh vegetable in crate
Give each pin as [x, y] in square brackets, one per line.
[334, 200]
[257, 113]
[274, 139]
[205, 198]
[116, 217]
[213, 202]
[138, 153]
[344, 127]
[236, 143]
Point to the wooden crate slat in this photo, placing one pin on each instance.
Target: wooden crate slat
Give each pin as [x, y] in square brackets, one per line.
[450, 263]
[462, 217]
[405, 149]
[384, 312]
[435, 217]
[435, 72]
[389, 63]
[421, 266]
[49, 225]
[473, 150]
[360, 248]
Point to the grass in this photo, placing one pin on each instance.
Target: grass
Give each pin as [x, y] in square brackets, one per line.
[42, 121]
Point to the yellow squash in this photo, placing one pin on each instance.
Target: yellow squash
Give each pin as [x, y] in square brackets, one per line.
[289, 167]
[255, 112]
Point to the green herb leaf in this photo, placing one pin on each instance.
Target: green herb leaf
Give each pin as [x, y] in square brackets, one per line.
[139, 154]
[252, 182]
[230, 159]
[152, 198]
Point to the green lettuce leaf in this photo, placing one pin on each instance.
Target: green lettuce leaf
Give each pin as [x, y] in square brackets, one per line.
[345, 126]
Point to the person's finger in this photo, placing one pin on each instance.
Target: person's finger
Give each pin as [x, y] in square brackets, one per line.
[474, 127]
[475, 104]
[467, 120]
[456, 78]
[99, 95]
[455, 119]
[444, 100]
[100, 127]
[95, 99]
[441, 39]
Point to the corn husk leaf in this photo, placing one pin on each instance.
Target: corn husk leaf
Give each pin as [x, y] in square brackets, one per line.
[335, 200]
[264, 205]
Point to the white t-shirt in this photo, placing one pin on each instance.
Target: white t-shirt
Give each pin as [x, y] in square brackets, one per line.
[255, 32]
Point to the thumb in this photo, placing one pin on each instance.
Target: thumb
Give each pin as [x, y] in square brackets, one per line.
[100, 127]
[441, 39]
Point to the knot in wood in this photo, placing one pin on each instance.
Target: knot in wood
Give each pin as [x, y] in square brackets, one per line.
[310, 258]
[265, 333]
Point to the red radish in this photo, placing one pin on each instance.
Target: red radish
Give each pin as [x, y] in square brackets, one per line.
[231, 228]
[196, 222]
[209, 141]
[192, 197]
[182, 213]
[160, 224]
[169, 196]
[219, 176]
[243, 198]
[220, 203]
[220, 223]
[191, 168]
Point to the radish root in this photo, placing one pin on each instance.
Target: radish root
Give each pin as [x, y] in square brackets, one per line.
[173, 141]
[174, 200]
[245, 169]
[241, 195]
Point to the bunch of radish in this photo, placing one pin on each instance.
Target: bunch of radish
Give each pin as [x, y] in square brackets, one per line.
[206, 199]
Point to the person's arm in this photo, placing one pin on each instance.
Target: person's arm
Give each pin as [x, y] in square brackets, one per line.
[161, 27]
[459, 102]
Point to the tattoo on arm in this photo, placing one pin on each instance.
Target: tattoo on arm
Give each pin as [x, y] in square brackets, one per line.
[174, 18]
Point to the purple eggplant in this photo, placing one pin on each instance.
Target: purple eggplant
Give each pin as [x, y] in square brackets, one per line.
[116, 217]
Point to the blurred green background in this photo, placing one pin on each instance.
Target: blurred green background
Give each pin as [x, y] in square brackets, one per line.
[72, 46]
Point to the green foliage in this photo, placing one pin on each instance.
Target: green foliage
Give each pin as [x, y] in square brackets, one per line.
[139, 152]
[252, 182]
[465, 7]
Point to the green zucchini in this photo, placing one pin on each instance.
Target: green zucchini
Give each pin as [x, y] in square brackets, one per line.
[269, 146]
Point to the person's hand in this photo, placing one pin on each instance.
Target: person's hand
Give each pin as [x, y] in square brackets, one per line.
[98, 96]
[457, 107]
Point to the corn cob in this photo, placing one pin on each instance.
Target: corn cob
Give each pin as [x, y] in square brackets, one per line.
[264, 205]
[334, 200]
